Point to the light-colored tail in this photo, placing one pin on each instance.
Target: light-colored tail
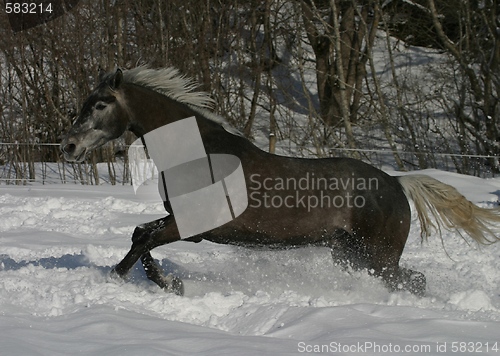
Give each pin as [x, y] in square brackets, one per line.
[450, 209]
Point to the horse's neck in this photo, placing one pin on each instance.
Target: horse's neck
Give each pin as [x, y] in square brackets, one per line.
[150, 110]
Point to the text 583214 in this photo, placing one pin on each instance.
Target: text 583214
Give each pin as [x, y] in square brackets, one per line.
[27, 8]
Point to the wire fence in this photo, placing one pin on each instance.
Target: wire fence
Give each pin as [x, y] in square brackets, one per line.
[485, 166]
[42, 163]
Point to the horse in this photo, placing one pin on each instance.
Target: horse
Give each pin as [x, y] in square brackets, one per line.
[359, 212]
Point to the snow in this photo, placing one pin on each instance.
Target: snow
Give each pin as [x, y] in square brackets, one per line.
[59, 242]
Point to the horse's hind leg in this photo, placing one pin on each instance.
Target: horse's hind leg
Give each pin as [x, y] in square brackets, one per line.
[145, 238]
[348, 251]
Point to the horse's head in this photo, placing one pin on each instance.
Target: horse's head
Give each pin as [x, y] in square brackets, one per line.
[104, 117]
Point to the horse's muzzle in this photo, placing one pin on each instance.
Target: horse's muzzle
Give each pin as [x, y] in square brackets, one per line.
[71, 151]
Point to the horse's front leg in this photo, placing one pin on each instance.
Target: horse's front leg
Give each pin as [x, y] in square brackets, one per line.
[145, 238]
[154, 273]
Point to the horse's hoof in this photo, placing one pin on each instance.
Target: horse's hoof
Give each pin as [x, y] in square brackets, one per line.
[115, 275]
[173, 285]
[413, 282]
[416, 283]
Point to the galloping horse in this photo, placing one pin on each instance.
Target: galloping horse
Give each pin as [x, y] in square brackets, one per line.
[361, 213]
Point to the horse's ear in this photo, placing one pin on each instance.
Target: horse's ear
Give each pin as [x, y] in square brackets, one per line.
[102, 74]
[116, 80]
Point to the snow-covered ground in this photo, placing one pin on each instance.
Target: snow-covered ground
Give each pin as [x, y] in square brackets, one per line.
[58, 244]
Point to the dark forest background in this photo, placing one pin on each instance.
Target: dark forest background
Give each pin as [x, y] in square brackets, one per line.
[412, 84]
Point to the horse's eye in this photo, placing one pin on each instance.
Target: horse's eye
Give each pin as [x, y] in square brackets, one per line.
[100, 106]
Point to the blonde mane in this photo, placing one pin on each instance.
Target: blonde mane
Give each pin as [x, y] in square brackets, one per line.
[173, 84]
[170, 82]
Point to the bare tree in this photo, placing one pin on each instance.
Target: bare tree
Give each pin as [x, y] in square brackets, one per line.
[341, 34]
[477, 54]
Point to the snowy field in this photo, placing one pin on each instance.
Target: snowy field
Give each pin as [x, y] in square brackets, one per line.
[58, 244]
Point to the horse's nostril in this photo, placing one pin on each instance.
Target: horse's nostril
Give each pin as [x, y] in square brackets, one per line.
[69, 148]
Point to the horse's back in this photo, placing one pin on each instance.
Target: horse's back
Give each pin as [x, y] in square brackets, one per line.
[294, 201]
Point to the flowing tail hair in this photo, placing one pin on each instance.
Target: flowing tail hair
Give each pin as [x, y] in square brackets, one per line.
[449, 208]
